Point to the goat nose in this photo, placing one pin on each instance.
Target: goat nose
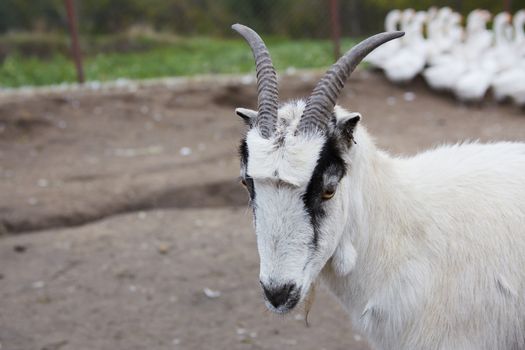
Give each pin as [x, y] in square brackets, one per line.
[278, 295]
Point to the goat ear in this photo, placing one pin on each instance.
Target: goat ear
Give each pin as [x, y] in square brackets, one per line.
[347, 124]
[248, 115]
[344, 258]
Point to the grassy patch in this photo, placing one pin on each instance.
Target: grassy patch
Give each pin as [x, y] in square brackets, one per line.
[176, 58]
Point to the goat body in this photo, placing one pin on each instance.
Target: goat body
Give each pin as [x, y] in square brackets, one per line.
[440, 247]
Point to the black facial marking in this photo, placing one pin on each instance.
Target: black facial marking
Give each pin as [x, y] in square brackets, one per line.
[243, 154]
[329, 163]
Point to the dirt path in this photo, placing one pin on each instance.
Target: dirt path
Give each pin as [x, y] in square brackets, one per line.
[138, 195]
[137, 281]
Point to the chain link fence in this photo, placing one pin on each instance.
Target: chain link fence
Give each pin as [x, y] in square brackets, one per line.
[40, 28]
[290, 18]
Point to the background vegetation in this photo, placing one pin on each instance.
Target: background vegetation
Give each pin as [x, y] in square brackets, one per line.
[181, 56]
[295, 18]
[142, 39]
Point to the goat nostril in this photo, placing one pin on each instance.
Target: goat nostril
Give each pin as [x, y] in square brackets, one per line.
[279, 295]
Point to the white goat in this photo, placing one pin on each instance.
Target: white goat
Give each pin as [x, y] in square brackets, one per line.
[424, 253]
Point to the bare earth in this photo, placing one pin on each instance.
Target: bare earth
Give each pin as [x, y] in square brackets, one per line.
[144, 240]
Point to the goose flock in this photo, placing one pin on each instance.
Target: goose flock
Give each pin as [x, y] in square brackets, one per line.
[468, 61]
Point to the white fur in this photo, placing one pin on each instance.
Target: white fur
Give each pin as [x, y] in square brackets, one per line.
[439, 240]
[426, 252]
[292, 162]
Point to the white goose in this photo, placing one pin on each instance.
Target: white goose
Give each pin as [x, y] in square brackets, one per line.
[410, 59]
[512, 76]
[434, 24]
[449, 39]
[519, 32]
[482, 62]
[437, 40]
[478, 37]
[377, 57]
[449, 66]
[517, 84]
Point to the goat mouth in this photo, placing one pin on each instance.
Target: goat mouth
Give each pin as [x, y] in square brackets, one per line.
[282, 309]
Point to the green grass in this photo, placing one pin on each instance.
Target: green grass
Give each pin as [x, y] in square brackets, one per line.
[181, 57]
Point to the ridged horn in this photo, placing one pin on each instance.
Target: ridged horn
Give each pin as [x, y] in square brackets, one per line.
[268, 98]
[321, 102]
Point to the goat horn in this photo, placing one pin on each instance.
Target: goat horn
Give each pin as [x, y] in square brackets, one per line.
[321, 102]
[267, 92]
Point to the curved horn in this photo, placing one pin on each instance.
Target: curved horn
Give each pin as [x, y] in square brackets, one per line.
[268, 98]
[321, 102]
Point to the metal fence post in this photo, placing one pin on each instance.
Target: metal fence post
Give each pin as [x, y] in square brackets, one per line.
[75, 46]
[507, 5]
[336, 28]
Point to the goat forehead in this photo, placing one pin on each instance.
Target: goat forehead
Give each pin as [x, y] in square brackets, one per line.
[286, 156]
[289, 158]
[290, 113]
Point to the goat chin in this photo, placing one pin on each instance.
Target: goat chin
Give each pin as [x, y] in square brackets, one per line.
[439, 243]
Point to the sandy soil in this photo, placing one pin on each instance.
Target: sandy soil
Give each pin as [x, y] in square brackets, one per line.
[123, 227]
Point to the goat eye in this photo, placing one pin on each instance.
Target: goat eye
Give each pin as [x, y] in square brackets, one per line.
[243, 182]
[328, 194]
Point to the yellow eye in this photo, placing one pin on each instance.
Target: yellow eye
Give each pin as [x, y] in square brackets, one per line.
[328, 194]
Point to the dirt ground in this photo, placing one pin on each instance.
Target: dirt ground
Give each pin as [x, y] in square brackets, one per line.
[122, 225]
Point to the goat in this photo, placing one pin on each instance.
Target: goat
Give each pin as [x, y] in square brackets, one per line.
[423, 253]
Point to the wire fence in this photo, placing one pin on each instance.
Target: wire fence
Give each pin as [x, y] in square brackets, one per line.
[265, 16]
[294, 19]
[291, 18]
